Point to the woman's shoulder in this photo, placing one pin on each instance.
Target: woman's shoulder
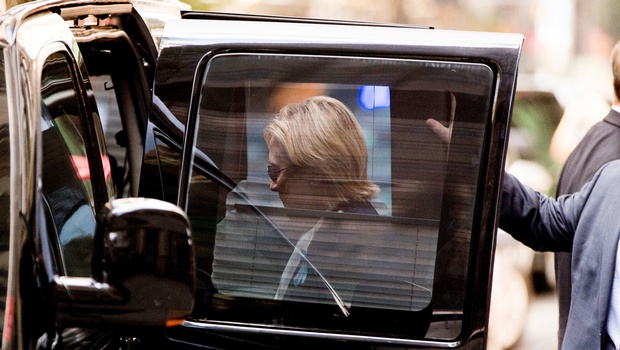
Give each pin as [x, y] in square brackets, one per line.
[357, 208]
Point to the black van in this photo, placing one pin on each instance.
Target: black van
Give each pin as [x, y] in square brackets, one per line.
[138, 210]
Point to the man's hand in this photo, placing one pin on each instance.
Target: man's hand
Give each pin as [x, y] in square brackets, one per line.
[441, 131]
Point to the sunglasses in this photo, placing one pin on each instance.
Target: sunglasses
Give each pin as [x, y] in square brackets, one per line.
[274, 173]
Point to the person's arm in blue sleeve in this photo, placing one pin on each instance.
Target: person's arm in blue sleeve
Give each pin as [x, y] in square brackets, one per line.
[538, 221]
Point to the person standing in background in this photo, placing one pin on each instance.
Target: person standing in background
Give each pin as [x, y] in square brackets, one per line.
[600, 145]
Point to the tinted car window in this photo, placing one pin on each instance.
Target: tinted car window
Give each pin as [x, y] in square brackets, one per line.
[68, 185]
[383, 273]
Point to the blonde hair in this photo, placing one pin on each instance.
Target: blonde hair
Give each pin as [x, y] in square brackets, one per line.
[321, 134]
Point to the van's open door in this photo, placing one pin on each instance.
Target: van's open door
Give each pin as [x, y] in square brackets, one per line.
[417, 274]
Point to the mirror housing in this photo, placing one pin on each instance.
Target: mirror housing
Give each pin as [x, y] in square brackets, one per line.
[143, 269]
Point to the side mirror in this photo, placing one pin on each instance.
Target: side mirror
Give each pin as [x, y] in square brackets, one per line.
[143, 269]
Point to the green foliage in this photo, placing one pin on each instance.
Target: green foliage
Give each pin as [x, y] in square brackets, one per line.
[537, 115]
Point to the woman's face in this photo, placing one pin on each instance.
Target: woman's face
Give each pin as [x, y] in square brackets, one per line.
[294, 185]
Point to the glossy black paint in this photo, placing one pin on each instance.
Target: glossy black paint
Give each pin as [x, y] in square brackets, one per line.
[143, 272]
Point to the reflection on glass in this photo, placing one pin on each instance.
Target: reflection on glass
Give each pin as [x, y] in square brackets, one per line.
[368, 215]
[67, 188]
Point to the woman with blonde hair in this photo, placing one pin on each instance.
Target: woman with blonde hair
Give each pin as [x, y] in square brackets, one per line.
[318, 157]
[317, 161]
[317, 164]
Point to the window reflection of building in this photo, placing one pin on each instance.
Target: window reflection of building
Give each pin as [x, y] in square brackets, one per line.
[68, 195]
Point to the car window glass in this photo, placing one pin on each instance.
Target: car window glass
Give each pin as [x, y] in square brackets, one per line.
[66, 170]
[388, 266]
[111, 131]
[107, 161]
[4, 191]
